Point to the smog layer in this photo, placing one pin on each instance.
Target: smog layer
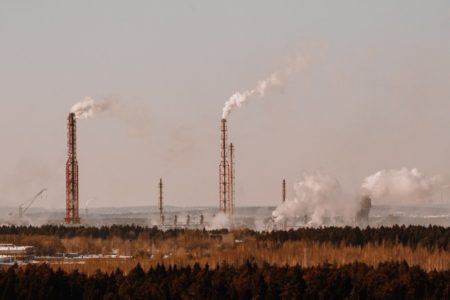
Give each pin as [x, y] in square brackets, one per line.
[352, 117]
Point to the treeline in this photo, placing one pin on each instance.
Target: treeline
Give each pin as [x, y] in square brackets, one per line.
[431, 237]
[249, 281]
[125, 232]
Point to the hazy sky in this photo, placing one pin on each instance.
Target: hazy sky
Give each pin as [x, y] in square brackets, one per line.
[374, 95]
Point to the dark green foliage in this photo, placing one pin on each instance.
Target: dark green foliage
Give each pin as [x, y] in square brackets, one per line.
[431, 237]
[249, 281]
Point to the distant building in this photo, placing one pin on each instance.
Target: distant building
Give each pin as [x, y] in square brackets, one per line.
[226, 239]
[12, 252]
[362, 215]
[6, 261]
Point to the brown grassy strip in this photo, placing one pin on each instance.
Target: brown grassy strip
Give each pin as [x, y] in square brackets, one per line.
[187, 249]
[289, 253]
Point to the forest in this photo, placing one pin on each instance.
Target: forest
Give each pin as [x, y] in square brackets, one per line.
[247, 281]
[426, 247]
[431, 237]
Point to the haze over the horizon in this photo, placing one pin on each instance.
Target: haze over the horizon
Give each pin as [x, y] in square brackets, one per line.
[374, 95]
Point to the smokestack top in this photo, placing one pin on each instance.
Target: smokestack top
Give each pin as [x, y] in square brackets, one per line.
[71, 136]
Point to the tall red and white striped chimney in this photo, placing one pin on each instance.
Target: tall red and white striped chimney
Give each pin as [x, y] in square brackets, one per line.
[224, 169]
[72, 215]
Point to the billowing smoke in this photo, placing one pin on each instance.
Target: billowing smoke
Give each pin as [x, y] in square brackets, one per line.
[401, 186]
[88, 107]
[318, 200]
[275, 79]
[220, 221]
[136, 117]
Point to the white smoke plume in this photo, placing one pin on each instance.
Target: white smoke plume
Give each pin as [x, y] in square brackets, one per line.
[401, 186]
[220, 221]
[88, 107]
[318, 200]
[275, 79]
[136, 117]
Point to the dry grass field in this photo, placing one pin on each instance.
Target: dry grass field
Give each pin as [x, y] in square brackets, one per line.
[187, 251]
[234, 249]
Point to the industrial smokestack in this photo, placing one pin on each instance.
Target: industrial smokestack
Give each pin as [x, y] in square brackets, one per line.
[72, 216]
[283, 195]
[231, 181]
[224, 168]
[362, 215]
[161, 214]
[86, 210]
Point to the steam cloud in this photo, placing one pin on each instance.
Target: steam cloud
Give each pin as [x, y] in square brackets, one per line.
[318, 200]
[136, 118]
[88, 107]
[220, 221]
[275, 79]
[401, 186]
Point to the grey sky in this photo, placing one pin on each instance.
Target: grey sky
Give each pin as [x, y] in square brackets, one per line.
[375, 95]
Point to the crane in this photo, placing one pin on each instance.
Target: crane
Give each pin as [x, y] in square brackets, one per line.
[26, 205]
